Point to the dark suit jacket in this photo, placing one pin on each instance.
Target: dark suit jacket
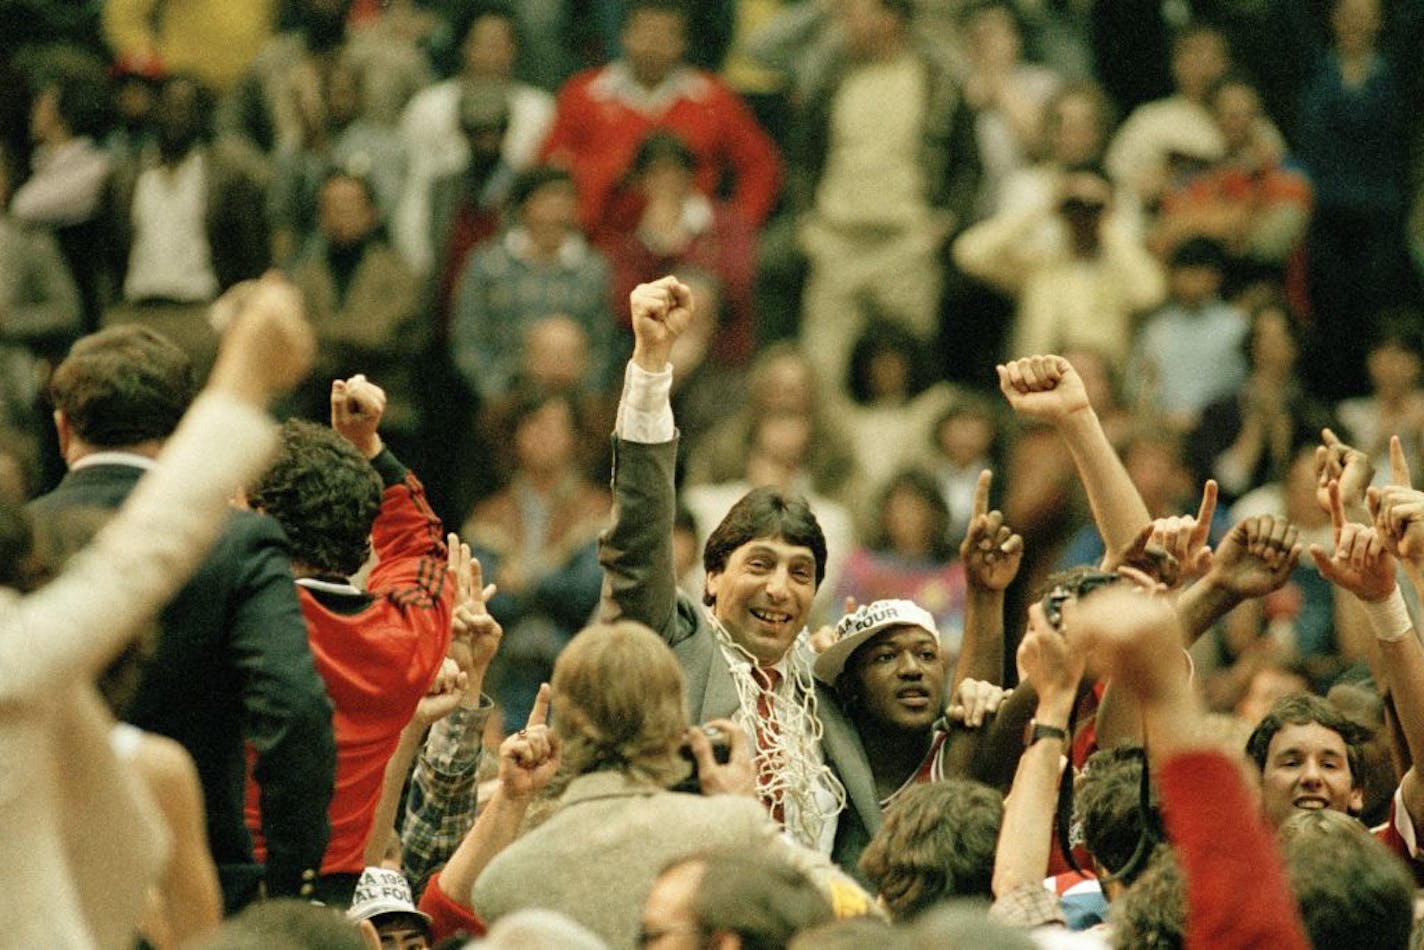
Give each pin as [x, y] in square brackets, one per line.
[232, 664]
[636, 554]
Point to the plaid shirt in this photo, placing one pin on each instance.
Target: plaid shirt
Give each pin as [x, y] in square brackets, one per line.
[440, 807]
[1028, 905]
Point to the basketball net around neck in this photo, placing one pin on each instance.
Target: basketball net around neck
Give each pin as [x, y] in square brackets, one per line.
[790, 766]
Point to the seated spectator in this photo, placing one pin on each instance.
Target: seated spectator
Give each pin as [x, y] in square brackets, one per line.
[910, 556]
[1249, 439]
[754, 899]
[83, 843]
[1251, 200]
[965, 440]
[681, 226]
[341, 495]
[188, 220]
[346, 140]
[1006, 94]
[540, 266]
[436, 128]
[1189, 353]
[605, 112]
[1085, 292]
[537, 539]
[364, 305]
[622, 719]
[1076, 123]
[937, 843]
[278, 99]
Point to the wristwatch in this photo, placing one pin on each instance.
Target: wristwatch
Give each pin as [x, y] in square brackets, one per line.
[1039, 730]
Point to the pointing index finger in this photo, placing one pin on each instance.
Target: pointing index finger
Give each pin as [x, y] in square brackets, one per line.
[1398, 464]
[981, 493]
[539, 715]
[1206, 512]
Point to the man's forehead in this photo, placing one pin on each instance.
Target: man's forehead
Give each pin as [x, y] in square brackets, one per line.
[1307, 736]
[777, 546]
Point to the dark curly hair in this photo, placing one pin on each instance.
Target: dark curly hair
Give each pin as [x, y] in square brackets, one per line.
[1109, 806]
[324, 494]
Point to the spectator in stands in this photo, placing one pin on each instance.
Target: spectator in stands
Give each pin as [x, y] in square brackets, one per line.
[899, 121]
[39, 304]
[1083, 292]
[1395, 405]
[965, 440]
[211, 39]
[1250, 199]
[341, 495]
[540, 266]
[682, 226]
[188, 220]
[537, 539]
[278, 100]
[437, 132]
[347, 141]
[364, 305]
[232, 669]
[1188, 354]
[604, 113]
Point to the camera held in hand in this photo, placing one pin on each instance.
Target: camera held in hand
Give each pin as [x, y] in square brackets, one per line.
[721, 744]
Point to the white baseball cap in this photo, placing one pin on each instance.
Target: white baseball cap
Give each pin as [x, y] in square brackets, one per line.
[857, 628]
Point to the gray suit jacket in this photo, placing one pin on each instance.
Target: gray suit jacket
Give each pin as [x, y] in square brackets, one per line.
[638, 584]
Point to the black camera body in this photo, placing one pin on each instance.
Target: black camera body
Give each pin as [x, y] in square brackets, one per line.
[721, 751]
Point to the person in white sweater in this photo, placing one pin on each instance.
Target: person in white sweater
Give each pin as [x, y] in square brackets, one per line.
[82, 840]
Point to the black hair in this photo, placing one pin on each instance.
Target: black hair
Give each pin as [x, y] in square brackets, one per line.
[881, 336]
[765, 513]
[924, 487]
[325, 495]
[1108, 806]
[82, 96]
[122, 386]
[469, 14]
[662, 145]
[675, 7]
[531, 181]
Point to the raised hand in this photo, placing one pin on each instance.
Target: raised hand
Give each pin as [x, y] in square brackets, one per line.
[529, 759]
[1361, 563]
[661, 311]
[475, 635]
[1146, 557]
[1352, 469]
[974, 701]
[1131, 637]
[738, 775]
[991, 550]
[1256, 557]
[1052, 664]
[444, 694]
[1046, 388]
[1398, 510]
[267, 346]
[1184, 537]
[357, 405]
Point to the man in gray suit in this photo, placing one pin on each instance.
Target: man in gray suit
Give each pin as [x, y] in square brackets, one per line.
[742, 650]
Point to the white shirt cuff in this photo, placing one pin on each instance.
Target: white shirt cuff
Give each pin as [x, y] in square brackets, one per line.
[645, 411]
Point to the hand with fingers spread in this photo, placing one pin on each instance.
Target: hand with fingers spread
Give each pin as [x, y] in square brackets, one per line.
[1147, 557]
[1346, 465]
[529, 759]
[825, 638]
[474, 633]
[1184, 538]
[1046, 388]
[661, 311]
[991, 550]
[736, 776]
[974, 701]
[357, 405]
[1256, 557]
[1360, 563]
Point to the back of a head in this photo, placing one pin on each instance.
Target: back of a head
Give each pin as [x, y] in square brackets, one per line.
[761, 898]
[1152, 914]
[538, 929]
[965, 924]
[937, 842]
[1351, 891]
[286, 924]
[1108, 804]
[325, 495]
[618, 690]
[123, 386]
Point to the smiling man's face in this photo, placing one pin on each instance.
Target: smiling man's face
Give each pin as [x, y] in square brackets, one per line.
[899, 678]
[1307, 769]
[763, 595]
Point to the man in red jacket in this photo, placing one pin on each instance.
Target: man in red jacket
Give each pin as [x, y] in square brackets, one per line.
[605, 113]
[337, 493]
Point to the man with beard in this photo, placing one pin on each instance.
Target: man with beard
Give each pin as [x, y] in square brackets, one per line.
[188, 221]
